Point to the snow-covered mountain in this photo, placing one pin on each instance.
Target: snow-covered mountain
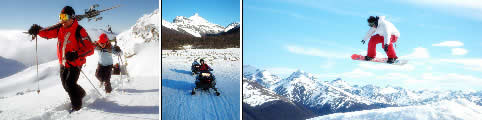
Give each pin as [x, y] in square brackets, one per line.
[323, 97]
[146, 30]
[457, 109]
[334, 96]
[196, 25]
[232, 26]
[260, 103]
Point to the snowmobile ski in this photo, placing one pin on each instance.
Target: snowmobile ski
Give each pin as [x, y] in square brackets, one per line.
[379, 60]
[216, 92]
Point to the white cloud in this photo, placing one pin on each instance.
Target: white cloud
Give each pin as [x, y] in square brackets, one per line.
[315, 52]
[459, 51]
[418, 53]
[443, 81]
[452, 78]
[449, 44]
[356, 73]
[470, 64]
[394, 76]
[18, 46]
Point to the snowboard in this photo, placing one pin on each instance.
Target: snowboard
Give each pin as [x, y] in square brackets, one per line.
[380, 60]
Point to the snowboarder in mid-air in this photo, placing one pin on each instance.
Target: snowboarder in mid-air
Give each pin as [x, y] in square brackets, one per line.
[73, 46]
[386, 33]
[104, 68]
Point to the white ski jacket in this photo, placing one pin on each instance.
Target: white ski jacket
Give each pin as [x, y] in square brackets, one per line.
[385, 29]
[105, 56]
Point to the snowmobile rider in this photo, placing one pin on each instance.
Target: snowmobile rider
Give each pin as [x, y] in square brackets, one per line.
[385, 32]
[73, 46]
[204, 66]
[104, 68]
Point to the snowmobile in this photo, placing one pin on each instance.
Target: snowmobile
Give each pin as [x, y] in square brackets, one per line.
[204, 81]
[195, 67]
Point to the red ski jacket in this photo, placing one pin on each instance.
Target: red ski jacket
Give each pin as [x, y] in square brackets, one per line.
[204, 67]
[75, 39]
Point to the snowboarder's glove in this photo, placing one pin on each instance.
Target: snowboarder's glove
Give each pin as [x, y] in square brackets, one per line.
[71, 56]
[117, 49]
[363, 41]
[34, 29]
[385, 47]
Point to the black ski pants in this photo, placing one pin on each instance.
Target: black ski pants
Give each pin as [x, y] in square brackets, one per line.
[69, 77]
[103, 74]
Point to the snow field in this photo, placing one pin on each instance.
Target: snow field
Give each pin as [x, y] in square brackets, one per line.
[177, 83]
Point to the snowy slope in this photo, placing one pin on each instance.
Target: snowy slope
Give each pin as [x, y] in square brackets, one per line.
[177, 83]
[260, 103]
[255, 95]
[10, 67]
[460, 109]
[135, 96]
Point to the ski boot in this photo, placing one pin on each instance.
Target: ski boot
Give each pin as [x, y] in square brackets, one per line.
[391, 60]
[368, 58]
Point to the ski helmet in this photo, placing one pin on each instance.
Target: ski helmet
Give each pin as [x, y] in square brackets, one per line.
[69, 11]
[373, 21]
[103, 38]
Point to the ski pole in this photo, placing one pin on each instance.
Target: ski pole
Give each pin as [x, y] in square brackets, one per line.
[90, 82]
[120, 73]
[36, 61]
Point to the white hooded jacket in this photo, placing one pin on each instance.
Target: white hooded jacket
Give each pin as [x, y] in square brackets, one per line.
[385, 29]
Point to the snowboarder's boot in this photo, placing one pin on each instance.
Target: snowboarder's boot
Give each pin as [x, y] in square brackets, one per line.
[391, 60]
[368, 58]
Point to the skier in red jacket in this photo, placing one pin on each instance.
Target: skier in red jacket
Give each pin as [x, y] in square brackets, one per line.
[73, 46]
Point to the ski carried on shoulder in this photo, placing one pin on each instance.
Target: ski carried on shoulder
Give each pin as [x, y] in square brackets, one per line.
[379, 60]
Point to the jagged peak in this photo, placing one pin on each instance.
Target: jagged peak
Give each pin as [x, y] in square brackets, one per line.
[197, 18]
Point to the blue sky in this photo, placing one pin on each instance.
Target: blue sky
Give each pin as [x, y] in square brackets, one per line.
[222, 12]
[440, 38]
[21, 14]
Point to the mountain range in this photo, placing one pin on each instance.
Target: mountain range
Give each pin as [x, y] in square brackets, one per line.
[337, 96]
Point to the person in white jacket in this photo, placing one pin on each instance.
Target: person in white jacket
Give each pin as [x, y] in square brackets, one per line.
[104, 68]
[386, 33]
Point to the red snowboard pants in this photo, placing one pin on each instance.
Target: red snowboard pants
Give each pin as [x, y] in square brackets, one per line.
[374, 40]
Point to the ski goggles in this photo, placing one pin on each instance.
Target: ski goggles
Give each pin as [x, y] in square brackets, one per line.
[64, 17]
